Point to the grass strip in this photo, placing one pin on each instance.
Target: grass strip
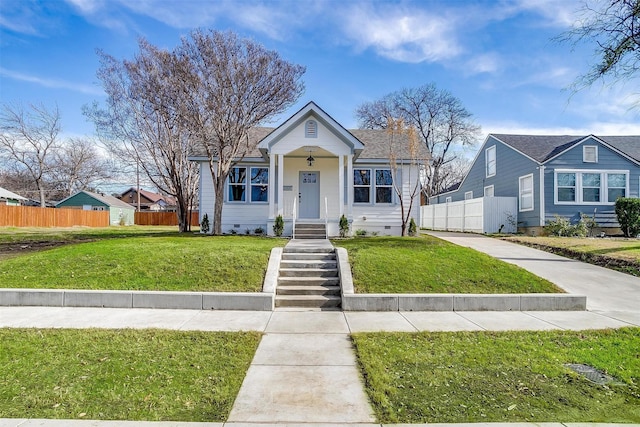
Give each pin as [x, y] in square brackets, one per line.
[461, 377]
[123, 374]
[163, 263]
[430, 265]
[617, 254]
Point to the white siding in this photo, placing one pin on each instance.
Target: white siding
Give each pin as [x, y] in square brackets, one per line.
[296, 139]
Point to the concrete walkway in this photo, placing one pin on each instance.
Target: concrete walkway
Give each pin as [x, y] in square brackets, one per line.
[304, 371]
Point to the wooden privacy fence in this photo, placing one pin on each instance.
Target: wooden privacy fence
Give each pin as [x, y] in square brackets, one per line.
[26, 216]
[163, 218]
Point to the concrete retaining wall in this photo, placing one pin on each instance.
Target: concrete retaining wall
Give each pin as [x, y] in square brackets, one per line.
[138, 299]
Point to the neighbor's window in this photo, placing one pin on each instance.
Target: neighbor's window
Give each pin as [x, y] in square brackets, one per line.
[488, 191]
[259, 184]
[384, 183]
[525, 184]
[566, 187]
[468, 195]
[616, 186]
[361, 185]
[490, 161]
[237, 184]
[448, 199]
[590, 154]
[591, 187]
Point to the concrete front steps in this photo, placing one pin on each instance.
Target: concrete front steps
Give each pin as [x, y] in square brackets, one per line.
[308, 278]
[310, 231]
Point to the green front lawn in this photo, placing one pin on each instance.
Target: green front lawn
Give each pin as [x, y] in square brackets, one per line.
[176, 262]
[122, 374]
[430, 265]
[460, 377]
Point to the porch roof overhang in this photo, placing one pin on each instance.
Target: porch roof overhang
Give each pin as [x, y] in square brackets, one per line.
[310, 110]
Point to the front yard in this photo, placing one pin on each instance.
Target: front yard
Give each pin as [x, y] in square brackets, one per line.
[429, 265]
[616, 253]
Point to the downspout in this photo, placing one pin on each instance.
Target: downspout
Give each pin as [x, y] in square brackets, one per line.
[542, 207]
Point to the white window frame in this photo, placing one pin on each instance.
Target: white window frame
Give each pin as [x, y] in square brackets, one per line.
[468, 195]
[585, 156]
[448, 199]
[604, 190]
[492, 191]
[529, 194]
[248, 185]
[373, 186]
[489, 162]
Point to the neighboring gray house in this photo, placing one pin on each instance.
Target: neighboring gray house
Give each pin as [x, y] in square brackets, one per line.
[554, 175]
[120, 213]
[10, 199]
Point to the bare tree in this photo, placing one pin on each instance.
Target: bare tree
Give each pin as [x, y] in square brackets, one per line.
[79, 166]
[613, 28]
[142, 124]
[230, 85]
[28, 140]
[453, 173]
[440, 120]
[406, 155]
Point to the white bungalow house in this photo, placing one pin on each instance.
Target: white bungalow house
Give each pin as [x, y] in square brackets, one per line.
[312, 170]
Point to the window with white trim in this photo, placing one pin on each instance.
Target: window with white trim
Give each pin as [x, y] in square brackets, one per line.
[525, 193]
[490, 161]
[590, 154]
[257, 184]
[379, 190]
[590, 187]
[448, 199]
[468, 195]
[488, 191]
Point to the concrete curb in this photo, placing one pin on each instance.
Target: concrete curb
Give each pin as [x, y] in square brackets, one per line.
[449, 302]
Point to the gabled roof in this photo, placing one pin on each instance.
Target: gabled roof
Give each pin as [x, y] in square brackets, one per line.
[543, 148]
[312, 109]
[6, 194]
[107, 200]
[154, 197]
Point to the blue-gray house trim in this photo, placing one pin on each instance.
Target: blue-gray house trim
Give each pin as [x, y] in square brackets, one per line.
[543, 157]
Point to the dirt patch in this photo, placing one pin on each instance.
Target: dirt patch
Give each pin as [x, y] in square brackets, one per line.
[625, 266]
[9, 250]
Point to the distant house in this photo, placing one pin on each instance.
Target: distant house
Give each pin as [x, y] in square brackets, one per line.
[554, 175]
[119, 211]
[10, 199]
[149, 201]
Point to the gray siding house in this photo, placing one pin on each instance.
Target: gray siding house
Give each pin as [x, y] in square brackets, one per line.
[554, 175]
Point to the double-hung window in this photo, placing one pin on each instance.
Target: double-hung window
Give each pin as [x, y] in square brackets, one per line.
[251, 180]
[378, 190]
[525, 184]
[590, 186]
[490, 161]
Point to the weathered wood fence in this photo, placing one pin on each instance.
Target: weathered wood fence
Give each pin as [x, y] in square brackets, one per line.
[26, 216]
[162, 218]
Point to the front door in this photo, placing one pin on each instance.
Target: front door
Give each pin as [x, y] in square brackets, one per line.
[309, 195]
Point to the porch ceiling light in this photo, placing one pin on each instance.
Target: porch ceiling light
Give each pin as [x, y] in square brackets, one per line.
[310, 160]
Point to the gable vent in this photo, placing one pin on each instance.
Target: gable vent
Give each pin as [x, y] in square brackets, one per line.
[311, 129]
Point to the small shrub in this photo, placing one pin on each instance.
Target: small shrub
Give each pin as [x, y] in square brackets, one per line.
[233, 231]
[247, 231]
[344, 226]
[563, 227]
[413, 229]
[628, 215]
[122, 221]
[204, 225]
[374, 233]
[258, 231]
[361, 233]
[278, 226]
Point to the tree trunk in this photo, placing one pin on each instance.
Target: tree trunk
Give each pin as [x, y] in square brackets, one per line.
[183, 216]
[43, 204]
[217, 208]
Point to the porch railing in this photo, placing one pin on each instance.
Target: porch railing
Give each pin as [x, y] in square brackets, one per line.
[293, 218]
[326, 219]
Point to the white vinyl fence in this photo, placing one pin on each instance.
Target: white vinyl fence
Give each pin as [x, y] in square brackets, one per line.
[481, 215]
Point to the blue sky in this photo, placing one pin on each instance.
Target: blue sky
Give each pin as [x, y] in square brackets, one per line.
[496, 56]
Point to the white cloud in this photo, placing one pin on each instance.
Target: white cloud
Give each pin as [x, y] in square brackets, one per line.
[555, 13]
[52, 83]
[601, 128]
[407, 35]
[486, 63]
[87, 6]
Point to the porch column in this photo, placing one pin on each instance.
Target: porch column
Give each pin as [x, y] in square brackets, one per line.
[350, 186]
[272, 182]
[281, 184]
[341, 184]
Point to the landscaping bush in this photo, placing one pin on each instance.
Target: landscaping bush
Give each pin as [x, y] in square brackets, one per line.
[628, 214]
[413, 229]
[278, 226]
[563, 227]
[204, 225]
[344, 226]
